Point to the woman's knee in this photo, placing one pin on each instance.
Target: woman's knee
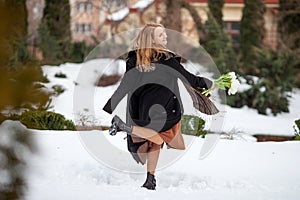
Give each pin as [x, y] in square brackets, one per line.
[155, 147]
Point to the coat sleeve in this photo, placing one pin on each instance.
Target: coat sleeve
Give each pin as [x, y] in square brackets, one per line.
[124, 87]
[196, 82]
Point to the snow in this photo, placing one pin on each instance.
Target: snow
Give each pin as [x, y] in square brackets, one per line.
[234, 170]
[91, 164]
[119, 15]
[142, 4]
[122, 13]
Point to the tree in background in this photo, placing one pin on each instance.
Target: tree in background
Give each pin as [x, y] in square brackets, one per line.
[13, 33]
[54, 31]
[289, 30]
[252, 33]
[214, 26]
[18, 69]
[173, 15]
[215, 7]
[214, 39]
[288, 25]
[196, 18]
[269, 92]
[48, 44]
[274, 70]
[18, 72]
[217, 42]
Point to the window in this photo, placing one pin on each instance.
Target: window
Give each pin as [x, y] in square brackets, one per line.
[87, 28]
[232, 28]
[89, 7]
[84, 6]
[80, 6]
[78, 28]
[83, 29]
[235, 26]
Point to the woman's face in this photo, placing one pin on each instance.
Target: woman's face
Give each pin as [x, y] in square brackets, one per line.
[160, 36]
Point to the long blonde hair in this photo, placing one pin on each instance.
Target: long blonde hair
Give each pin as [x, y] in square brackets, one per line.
[146, 50]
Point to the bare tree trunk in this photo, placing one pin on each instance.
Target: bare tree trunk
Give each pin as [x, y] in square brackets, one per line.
[196, 18]
[172, 19]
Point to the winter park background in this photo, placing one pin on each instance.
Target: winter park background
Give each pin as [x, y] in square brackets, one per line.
[236, 169]
[48, 78]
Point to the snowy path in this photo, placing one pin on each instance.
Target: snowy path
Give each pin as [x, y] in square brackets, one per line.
[63, 169]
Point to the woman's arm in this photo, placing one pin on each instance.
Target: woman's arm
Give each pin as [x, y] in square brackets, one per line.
[124, 87]
[196, 82]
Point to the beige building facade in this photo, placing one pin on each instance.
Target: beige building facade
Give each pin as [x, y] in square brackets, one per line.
[135, 13]
[232, 15]
[96, 20]
[86, 17]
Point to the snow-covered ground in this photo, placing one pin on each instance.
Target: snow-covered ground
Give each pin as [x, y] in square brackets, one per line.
[93, 165]
[235, 170]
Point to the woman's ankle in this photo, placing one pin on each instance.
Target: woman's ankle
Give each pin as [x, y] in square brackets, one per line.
[151, 172]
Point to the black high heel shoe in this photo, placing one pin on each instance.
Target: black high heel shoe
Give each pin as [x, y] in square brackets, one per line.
[118, 125]
[150, 183]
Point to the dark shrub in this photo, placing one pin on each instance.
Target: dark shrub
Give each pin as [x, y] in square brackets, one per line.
[58, 89]
[60, 75]
[297, 132]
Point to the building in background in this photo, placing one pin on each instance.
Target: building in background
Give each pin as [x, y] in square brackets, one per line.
[232, 15]
[100, 19]
[86, 15]
[96, 20]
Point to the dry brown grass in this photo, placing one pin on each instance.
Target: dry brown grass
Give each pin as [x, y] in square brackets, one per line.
[89, 128]
[108, 80]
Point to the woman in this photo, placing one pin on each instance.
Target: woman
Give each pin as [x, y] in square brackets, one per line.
[154, 107]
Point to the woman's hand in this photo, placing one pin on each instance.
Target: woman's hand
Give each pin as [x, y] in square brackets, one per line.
[213, 86]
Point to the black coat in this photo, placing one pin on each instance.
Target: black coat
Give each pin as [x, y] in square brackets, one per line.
[153, 97]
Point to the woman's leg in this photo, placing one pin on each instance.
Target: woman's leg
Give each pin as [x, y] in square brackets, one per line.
[147, 134]
[152, 158]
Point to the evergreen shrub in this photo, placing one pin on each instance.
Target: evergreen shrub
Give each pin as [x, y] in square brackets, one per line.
[252, 33]
[45, 120]
[297, 130]
[193, 125]
[48, 45]
[60, 75]
[270, 91]
[79, 51]
[58, 89]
